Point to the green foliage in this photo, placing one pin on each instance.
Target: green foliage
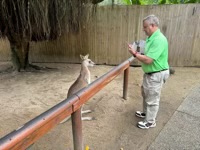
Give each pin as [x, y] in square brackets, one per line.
[156, 2]
[136, 2]
[163, 2]
[192, 1]
[128, 2]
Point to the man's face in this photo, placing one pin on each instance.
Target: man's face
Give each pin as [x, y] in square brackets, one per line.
[147, 28]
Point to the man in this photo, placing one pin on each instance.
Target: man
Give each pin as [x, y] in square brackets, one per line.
[156, 70]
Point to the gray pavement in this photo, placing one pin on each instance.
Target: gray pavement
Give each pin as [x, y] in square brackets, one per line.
[182, 132]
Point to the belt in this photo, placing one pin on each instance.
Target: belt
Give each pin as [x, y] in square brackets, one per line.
[150, 73]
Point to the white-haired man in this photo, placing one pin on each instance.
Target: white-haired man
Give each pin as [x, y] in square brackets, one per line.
[156, 70]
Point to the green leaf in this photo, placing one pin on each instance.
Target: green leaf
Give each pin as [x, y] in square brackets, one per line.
[163, 2]
[128, 2]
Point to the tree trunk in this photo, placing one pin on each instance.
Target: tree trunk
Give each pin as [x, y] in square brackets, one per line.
[19, 57]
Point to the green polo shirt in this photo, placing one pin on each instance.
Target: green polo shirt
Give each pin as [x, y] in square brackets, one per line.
[156, 47]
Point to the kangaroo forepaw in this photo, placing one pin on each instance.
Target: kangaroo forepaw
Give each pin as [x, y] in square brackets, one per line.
[65, 120]
[88, 118]
[86, 111]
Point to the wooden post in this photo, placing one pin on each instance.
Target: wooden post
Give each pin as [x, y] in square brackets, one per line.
[125, 85]
[77, 130]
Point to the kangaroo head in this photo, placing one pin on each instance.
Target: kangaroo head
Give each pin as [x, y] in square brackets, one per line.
[86, 61]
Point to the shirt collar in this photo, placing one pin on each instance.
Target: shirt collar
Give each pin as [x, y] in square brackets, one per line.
[153, 35]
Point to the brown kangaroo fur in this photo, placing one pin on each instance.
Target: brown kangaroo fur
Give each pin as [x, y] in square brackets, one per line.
[82, 81]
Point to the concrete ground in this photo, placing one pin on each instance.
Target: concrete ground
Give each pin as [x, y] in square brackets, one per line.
[182, 131]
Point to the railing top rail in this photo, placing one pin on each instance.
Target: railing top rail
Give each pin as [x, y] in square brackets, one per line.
[31, 131]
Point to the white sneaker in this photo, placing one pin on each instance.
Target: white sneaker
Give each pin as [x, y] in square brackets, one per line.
[146, 125]
[140, 114]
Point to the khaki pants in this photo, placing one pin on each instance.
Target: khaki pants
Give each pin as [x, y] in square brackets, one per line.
[151, 91]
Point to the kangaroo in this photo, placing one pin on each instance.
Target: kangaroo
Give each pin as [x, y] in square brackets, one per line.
[82, 81]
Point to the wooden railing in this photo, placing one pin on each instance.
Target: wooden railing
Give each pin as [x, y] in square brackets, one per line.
[30, 132]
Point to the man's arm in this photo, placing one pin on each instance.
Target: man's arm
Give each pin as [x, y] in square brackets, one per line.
[144, 59]
[140, 57]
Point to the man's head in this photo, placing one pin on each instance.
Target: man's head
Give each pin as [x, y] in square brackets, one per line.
[150, 24]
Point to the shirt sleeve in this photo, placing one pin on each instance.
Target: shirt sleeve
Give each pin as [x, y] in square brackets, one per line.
[155, 49]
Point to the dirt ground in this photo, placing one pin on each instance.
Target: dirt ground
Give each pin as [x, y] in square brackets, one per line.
[25, 95]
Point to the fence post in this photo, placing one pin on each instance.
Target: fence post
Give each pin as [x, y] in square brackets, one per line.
[77, 130]
[125, 85]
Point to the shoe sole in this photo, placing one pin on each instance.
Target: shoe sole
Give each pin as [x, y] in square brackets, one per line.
[139, 116]
[142, 127]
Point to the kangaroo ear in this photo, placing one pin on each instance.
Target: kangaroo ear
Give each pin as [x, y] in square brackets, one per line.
[86, 56]
[82, 57]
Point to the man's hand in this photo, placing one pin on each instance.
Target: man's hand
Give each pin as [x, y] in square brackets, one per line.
[132, 50]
